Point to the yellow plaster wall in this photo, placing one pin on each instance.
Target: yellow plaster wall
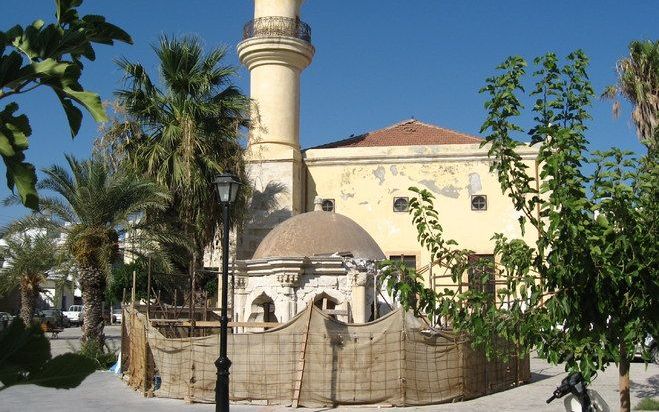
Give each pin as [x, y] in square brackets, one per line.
[283, 8]
[364, 181]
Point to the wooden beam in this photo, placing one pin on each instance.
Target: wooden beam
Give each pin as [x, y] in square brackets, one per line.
[339, 312]
[132, 292]
[213, 324]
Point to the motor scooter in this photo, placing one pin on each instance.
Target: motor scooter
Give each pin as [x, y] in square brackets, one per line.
[580, 398]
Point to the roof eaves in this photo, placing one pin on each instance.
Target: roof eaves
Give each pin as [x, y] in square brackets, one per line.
[343, 142]
[339, 143]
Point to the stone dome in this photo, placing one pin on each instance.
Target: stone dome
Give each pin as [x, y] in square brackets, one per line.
[318, 233]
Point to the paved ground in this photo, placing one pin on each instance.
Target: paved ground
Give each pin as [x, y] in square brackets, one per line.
[69, 340]
[104, 391]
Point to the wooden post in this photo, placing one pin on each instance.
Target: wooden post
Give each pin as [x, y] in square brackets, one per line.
[375, 296]
[301, 360]
[148, 293]
[205, 306]
[123, 351]
[403, 364]
[145, 355]
[132, 293]
[192, 297]
[123, 297]
[233, 291]
[175, 301]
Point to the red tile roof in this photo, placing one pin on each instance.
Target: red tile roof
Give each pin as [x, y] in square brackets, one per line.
[406, 133]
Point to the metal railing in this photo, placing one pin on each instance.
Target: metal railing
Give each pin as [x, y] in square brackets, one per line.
[277, 26]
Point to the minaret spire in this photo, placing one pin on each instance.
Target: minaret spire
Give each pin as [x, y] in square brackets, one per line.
[276, 48]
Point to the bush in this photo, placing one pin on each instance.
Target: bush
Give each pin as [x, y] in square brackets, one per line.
[92, 350]
[648, 404]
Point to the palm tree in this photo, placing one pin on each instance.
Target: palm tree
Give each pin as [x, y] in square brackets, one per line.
[638, 82]
[189, 131]
[93, 204]
[29, 257]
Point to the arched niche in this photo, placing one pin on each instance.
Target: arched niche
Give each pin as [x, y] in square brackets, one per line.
[262, 309]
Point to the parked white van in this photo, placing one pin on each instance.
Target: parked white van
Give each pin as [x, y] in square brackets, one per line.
[74, 314]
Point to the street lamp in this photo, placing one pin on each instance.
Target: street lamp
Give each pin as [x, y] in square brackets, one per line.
[227, 189]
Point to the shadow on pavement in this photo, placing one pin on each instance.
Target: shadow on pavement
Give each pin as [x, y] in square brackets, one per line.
[649, 390]
[537, 377]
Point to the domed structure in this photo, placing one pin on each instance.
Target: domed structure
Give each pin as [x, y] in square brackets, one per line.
[318, 233]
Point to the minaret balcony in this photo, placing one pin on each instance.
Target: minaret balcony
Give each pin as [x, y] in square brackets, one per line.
[276, 27]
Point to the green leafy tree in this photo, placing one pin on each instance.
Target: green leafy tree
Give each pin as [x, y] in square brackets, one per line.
[187, 131]
[29, 257]
[92, 206]
[47, 55]
[638, 82]
[587, 290]
[161, 280]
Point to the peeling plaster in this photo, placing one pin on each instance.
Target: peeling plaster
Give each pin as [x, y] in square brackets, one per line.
[430, 184]
[346, 196]
[475, 185]
[379, 174]
[394, 170]
[451, 191]
[391, 230]
[448, 191]
[345, 177]
[419, 150]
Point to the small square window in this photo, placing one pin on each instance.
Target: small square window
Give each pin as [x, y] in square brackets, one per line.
[409, 260]
[478, 202]
[401, 204]
[328, 205]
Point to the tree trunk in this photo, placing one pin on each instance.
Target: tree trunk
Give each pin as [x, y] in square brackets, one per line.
[28, 302]
[91, 282]
[623, 380]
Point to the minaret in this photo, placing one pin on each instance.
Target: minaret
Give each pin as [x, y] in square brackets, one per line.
[276, 47]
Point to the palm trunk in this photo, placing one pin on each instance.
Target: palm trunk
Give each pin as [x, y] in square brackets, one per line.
[623, 380]
[28, 302]
[91, 282]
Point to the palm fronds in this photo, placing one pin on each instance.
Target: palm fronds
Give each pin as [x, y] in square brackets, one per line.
[638, 82]
[190, 126]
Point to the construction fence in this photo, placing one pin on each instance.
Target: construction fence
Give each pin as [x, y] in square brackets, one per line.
[315, 360]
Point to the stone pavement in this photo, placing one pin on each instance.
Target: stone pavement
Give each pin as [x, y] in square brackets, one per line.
[69, 339]
[104, 391]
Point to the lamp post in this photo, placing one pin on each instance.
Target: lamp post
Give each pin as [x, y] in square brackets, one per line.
[227, 189]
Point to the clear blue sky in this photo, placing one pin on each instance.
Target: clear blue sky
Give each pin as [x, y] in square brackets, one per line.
[377, 61]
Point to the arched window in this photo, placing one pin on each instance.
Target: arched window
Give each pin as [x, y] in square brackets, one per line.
[263, 309]
[326, 303]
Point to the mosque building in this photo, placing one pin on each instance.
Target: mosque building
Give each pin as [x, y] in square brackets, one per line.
[341, 207]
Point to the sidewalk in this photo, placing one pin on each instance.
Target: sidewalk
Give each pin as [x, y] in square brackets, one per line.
[104, 391]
